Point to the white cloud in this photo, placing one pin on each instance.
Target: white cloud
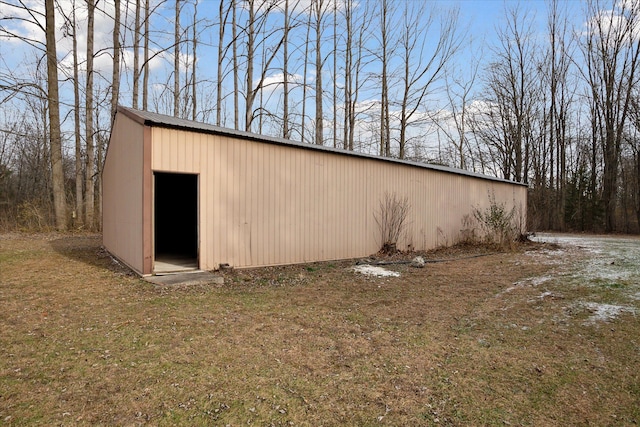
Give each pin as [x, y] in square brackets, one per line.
[21, 23]
[276, 81]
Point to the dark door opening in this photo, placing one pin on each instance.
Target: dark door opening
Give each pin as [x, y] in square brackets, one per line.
[175, 222]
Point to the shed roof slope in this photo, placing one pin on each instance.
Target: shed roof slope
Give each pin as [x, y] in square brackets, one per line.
[148, 118]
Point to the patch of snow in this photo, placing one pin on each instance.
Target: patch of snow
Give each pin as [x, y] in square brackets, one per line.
[545, 294]
[533, 281]
[371, 270]
[599, 269]
[548, 256]
[612, 258]
[530, 281]
[605, 312]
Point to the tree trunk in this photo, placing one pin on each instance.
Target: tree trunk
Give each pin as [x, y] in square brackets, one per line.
[385, 147]
[319, 114]
[115, 76]
[79, 212]
[612, 53]
[285, 73]
[250, 58]
[236, 75]
[176, 61]
[194, 84]
[222, 24]
[145, 81]
[136, 57]
[89, 133]
[335, 74]
[57, 171]
[348, 75]
[304, 79]
[637, 155]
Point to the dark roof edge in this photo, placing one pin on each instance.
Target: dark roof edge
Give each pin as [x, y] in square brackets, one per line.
[147, 118]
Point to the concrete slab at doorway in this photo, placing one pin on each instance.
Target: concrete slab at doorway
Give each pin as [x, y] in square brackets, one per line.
[187, 279]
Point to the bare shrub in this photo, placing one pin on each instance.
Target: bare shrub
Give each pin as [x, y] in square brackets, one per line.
[468, 231]
[33, 217]
[497, 222]
[392, 220]
[441, 240]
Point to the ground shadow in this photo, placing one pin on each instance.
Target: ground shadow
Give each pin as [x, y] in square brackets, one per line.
[87, 248]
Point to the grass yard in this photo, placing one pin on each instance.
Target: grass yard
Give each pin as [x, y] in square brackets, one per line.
[502, 339]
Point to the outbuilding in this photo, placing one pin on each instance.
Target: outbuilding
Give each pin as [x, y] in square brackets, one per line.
[181, 195]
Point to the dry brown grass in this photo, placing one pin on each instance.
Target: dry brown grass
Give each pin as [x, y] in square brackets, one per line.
[455, 343]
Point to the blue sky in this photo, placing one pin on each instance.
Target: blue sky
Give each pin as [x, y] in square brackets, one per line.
[478, 21]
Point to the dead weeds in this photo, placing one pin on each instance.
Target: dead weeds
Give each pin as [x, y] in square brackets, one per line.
[470, 341]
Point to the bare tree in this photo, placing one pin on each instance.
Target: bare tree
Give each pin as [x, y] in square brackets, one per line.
[40, 131]
[304, 78]
[250, 93]
[348, 72]
[145, 66]
[386, 51]
[115, 74]
[89, 123]
[611, 49]
[512, 87]
[454, 126]
[73, 28]
[223, 15]
[137, 35]
[319, 10]
[356, 34]
[634, 144]
[335, 74]
[256, 25]
[236, 72]
[177, 40]
[194, 68]
[57, 171]
[422, 66]
[557, 68]
[285, 71]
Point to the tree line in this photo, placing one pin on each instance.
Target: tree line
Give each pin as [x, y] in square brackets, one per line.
[555, 106]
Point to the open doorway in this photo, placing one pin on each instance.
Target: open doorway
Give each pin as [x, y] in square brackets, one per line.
[175, 222]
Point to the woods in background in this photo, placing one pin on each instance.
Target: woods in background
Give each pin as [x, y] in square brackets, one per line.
[556, 106]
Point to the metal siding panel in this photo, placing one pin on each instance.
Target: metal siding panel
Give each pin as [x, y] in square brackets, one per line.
[232, 203]
[212, 237]
[244, 215]
[122, 193]
[190, 146]
[147, 204]
[200, 155]
[256, 155]
[172, 153]
[284, 207]
[223, 177]
[264, 204]
[273, 202]
[263, 200]
[246, 205]
[336, 205]
[266, 200]
[297, 197]
[321, 205]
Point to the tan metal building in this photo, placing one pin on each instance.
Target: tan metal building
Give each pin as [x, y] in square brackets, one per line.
[180, 194]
